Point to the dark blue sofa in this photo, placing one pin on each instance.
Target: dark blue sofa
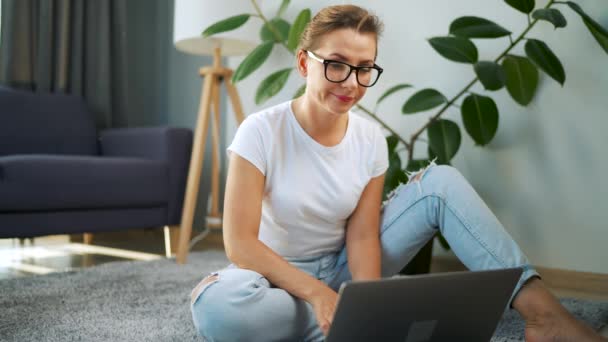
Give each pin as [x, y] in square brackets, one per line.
[59, 176]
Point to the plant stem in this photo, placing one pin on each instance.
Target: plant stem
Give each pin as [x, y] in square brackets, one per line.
[387, 127]
[436, 116]
[275, 32]
[466, 88]
[522, 35]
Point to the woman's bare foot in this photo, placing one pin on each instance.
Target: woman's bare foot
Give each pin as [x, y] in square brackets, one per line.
[546, 319]
[554, 327]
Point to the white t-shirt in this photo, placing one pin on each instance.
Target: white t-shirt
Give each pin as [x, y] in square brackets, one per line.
[310, 190]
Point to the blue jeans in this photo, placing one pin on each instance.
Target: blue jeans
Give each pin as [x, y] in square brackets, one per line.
[241, 305]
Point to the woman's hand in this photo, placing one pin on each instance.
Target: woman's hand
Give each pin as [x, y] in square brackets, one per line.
[324, 305]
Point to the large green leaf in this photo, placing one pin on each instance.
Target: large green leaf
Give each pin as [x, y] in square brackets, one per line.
[393, 90]
[490, 74]
[394, 175]
[525, 6]
[444, 139]
[253, 61]
[424, 99]
[475, 27]
[433, 156]
[456, 49]
[480, 118]
[522, 78]
[599, 33]
[283, 8]
[297, 28]
[280, 25]
[552, 15]
[300, 91]
[392, 142]
[417, 164]
[271, 85]
[443, 242]
[227, 24]
[545, 59]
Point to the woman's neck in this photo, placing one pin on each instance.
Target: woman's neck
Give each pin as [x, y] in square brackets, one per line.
[327, 129]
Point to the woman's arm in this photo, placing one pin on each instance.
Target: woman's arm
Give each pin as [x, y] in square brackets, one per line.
[363, 233]
[242, 215]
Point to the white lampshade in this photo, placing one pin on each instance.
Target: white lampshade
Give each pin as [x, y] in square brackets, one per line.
[191, 17]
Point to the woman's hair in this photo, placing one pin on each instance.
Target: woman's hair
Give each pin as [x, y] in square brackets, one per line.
[338, 17]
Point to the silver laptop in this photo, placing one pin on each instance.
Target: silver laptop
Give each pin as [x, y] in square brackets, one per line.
[458, 306]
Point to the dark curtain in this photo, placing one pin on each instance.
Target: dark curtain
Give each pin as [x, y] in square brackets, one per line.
[69, 46]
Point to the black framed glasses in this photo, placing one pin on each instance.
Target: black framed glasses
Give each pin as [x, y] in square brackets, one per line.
[337, 72]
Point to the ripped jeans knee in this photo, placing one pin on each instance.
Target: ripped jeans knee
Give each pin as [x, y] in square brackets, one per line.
[202, 285]
[412, 177]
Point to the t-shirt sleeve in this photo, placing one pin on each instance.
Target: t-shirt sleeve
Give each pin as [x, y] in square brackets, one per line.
[381, 154]
[249, 143]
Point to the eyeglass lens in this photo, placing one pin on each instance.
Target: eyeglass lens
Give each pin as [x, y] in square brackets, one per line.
[338, 72]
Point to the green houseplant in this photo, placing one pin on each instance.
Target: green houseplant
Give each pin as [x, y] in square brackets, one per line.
[518, 74]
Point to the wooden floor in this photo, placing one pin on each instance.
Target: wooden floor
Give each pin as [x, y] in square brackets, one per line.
[60, 253]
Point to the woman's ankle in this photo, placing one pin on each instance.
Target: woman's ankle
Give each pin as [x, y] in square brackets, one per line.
[534, 301]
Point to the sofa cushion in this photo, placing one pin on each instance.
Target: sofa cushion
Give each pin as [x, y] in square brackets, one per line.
[41, 123]
[49, 182]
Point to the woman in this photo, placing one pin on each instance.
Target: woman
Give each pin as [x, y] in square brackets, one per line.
[303, 211]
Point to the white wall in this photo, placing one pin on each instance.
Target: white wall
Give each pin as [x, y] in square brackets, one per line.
[543, 175]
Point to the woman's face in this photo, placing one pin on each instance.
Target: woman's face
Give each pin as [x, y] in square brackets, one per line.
[345, 45]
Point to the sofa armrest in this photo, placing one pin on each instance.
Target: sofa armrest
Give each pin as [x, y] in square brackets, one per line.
[158, 143]
[168, 144]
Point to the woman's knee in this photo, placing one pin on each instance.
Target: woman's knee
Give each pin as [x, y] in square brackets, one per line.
[437, 180]
[443, 174]
[225, 303]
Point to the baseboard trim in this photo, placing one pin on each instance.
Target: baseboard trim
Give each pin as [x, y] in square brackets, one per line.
[588, 282]
[596, 283]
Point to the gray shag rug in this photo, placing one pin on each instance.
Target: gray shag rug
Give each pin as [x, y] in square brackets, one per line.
[149, 301]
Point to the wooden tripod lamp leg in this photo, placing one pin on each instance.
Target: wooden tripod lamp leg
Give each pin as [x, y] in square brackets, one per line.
[236, 101]
[214, 218]
[194, 172]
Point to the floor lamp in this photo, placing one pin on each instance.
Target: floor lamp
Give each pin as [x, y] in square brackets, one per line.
[191, 17]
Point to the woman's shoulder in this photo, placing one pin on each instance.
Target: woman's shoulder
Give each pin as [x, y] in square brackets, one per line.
[270, 115]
